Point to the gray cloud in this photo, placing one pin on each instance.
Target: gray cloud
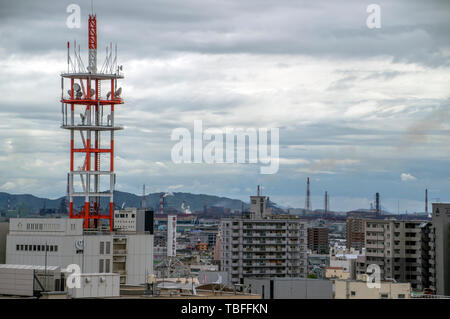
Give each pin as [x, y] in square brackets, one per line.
[344, 97]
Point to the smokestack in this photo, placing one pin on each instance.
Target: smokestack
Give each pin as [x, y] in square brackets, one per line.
[143, 204]
[426, 201]
[326, 202]
[161, 203]
[258, 191]
[377, 204]
[308, 196]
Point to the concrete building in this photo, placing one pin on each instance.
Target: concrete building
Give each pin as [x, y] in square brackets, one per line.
[441, 247]
[347, 259]
[396, 246]
[134, 220]
[351, 289]
[355, 232]
[62, 242]
[4, 226]
[290, 288]
[318, 240]
[262, 244]
[337, 273]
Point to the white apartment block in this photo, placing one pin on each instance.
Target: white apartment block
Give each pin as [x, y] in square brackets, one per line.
[263, 245]
[61, 242]
[263, 248]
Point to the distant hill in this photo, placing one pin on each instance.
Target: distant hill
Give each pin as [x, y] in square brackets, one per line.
[32, 203]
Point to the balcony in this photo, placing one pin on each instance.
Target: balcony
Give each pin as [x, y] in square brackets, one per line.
[120, 252]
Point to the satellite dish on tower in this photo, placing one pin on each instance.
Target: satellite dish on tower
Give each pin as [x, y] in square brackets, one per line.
[76, 87]
[118, 92]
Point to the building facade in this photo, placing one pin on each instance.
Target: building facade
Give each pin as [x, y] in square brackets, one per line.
[396, 247]
[318, 240]
[355, 233]
[62, 242]
[290, 288]
[263, 245]
[350, 289]
[440, 243]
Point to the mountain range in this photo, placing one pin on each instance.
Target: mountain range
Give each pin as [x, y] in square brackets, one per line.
[174, 200]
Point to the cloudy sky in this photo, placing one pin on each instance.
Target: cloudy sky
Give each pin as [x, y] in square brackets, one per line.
[359, 110]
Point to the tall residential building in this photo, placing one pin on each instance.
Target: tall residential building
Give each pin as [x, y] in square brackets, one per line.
[441, 225]
[355, 233]
[263, 245]
[396, 246]
[318, 241]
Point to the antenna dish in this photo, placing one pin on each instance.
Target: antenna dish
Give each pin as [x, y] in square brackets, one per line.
[76, 87]
[92, 92]
[118, 92]
[108, 95]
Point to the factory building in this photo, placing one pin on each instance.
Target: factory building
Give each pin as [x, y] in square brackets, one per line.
[262, 244]
[62, 242]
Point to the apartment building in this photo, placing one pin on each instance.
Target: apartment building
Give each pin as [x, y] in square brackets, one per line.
[396, 246]
[440, 248]
[318, 240]
[263, 245]
[355, 233]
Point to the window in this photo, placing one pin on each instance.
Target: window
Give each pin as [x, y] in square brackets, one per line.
[100, 265]
[401, 296]
[108, 247]
[18, 247]
[353, 293]
[102, 248]
[384, 296]
[107, 265]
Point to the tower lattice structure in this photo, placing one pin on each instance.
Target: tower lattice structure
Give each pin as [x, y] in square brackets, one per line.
[88, 113]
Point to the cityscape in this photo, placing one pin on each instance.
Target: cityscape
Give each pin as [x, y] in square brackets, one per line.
[197, 166]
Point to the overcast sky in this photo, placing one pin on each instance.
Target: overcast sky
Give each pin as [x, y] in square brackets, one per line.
[359, 110]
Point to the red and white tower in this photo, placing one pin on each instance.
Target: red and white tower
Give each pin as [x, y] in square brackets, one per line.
[88, 113]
